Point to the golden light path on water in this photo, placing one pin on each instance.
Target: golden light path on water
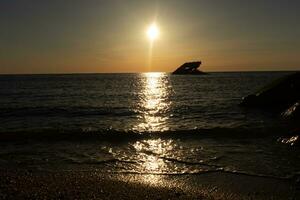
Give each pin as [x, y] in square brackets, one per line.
[151, 153]
[154, 102]
[154, 106]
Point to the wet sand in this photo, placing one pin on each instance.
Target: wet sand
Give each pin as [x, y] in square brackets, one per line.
[24, 184]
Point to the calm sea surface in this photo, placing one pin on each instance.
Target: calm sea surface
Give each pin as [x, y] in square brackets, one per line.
[142, 123]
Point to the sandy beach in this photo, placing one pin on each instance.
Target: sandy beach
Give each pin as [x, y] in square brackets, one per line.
[24, 184]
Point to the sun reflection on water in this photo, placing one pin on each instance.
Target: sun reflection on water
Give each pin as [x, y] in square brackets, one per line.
[154, 102]
[154, 105]
[151, 153]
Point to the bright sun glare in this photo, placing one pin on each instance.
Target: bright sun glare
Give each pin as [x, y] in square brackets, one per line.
[153, 32]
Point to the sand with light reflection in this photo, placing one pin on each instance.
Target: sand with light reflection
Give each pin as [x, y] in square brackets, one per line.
[95, 185]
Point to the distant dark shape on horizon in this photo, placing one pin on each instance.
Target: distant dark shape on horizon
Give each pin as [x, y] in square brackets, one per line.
[189, 68]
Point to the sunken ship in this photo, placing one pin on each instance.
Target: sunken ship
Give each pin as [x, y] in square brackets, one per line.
[189, 68]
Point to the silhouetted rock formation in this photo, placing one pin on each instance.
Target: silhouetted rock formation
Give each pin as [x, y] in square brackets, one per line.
[189, 68]
[283, 95]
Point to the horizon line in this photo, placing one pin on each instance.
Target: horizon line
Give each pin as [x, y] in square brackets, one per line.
[77, 73]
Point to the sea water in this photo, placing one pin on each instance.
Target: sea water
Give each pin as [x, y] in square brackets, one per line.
[154, 123]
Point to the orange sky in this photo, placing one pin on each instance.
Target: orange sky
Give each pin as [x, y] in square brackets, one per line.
[110, 36]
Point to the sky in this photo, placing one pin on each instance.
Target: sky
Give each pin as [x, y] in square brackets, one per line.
[109, 36]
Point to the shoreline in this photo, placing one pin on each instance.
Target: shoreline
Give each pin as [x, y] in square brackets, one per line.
[28, 184]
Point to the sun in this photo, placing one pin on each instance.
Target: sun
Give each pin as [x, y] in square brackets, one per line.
[153, 32]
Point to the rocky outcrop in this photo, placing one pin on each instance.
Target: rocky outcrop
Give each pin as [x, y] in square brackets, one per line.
[282, 95]
[189, 68]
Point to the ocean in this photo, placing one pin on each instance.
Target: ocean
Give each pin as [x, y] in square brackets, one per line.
[146, 123]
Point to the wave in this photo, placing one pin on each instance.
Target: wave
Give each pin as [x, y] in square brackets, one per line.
[66, 112]
[89, 134]
[203, 168]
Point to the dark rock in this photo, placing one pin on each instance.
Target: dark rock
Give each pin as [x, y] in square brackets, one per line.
[189, 68]
[279, 95]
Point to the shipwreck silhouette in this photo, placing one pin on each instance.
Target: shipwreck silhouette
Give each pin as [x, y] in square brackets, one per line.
[189, 68]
